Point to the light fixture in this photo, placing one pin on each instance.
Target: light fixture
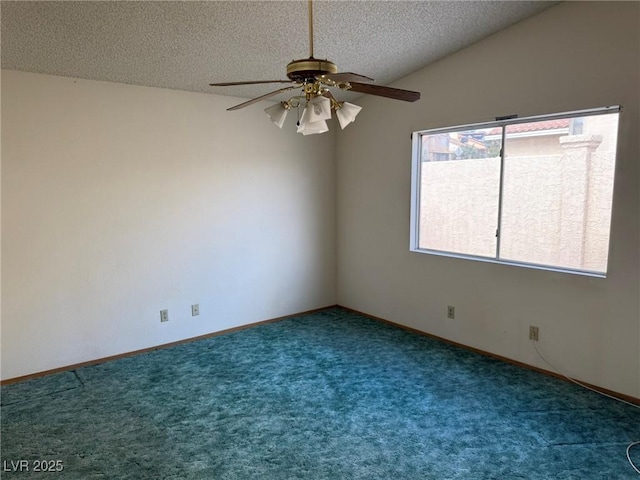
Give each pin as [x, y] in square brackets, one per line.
[278, 112]
[317, 110]
[346, 113]
[307, 126]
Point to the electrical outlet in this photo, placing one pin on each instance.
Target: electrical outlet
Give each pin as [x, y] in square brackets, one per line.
[533, 333]
[451, 312]
[164, 315]
[195, 310]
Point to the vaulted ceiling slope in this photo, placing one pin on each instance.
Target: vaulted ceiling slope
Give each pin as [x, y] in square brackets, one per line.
[186, 45]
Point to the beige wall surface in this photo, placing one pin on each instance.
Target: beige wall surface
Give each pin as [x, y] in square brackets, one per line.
[573, 56]
[119, 201]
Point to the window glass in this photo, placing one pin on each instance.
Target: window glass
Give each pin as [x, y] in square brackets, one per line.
[459, 193]
[557, 192]
[541, 199]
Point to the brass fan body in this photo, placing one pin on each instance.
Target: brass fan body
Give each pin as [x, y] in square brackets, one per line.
[308, 69]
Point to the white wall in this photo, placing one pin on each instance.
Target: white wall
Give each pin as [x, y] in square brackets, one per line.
[574, 55]
[119, 201]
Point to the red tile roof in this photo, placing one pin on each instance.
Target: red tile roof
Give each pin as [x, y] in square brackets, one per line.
[533, 126]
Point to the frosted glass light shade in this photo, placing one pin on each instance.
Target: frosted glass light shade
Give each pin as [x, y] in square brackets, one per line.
[319, 109]
[315, 127]
[307, 127]
[277, 113]
[347, 113]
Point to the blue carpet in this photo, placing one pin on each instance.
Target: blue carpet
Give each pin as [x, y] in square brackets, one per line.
[331, 395]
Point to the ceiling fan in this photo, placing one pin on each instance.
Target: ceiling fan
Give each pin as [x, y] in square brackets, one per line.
[315, 78]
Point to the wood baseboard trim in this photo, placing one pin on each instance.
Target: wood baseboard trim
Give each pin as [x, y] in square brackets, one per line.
[621, 396]
[97, 361]
[618, 395]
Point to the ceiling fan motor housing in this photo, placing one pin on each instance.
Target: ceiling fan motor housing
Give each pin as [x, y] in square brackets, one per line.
[307, 69]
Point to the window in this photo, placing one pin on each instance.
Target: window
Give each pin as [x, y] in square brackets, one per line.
[530, 191]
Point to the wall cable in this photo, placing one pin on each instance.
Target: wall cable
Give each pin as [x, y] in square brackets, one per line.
[573, 380]
[629, 456]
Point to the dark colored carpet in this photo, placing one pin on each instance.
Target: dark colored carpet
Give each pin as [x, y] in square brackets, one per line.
[331, 395]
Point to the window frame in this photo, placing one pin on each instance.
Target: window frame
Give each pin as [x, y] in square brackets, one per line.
[416, 184]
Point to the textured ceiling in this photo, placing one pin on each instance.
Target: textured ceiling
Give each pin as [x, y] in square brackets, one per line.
[186, 45]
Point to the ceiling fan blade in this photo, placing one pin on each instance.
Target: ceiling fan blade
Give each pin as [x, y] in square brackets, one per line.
[252, 82]
[389, 92]
[344, 77]
[262, 97]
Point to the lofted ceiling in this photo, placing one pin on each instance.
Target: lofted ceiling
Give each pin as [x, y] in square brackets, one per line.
[186, 45]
